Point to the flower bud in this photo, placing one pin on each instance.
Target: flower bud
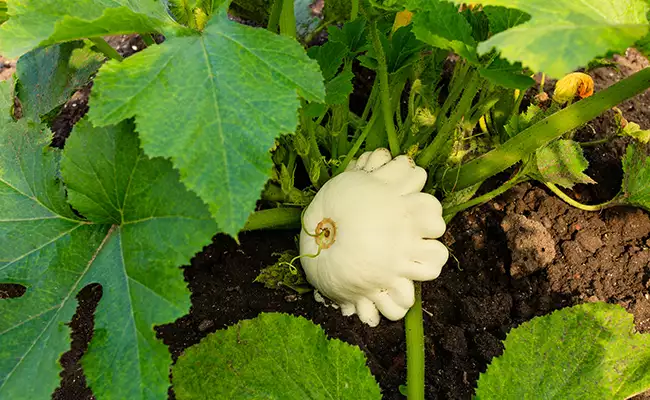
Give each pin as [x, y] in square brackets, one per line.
[576, 83]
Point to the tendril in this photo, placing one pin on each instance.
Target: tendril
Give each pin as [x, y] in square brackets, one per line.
[292, 267]
[302, 224]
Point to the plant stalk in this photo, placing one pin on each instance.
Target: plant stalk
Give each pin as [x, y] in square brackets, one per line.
[451, 211]
[106, 48]
[414, 326]
[543, 132]
[384, 92]
[576, 204]
[274, 17]
[274, 218]
[288, 19]
[148, 39]
[354, 9]
[357, 144]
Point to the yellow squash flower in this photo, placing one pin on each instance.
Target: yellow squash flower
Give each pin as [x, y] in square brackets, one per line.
[403, 18]
[574, 84]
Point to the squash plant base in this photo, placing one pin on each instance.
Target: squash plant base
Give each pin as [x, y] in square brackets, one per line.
[489, 299]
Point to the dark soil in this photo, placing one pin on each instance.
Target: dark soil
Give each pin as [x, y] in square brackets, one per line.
[521, 255]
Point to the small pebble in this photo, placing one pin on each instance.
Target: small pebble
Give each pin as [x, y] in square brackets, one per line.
[290, 298]
[206, 324]
[135, 48]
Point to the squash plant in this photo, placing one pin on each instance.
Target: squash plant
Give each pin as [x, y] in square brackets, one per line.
[213, 130]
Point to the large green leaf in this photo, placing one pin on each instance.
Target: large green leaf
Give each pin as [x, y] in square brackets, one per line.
[439, 24]
[502, 18]
[142, 225]
[636, 180]
[564, 35]
[274, 356]
[47, 76]
[588, 351]
[36, 23]
[214, 103]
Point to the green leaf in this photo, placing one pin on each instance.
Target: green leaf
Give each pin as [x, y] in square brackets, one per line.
[3, 11]
[589, 351]
[48, 76]
[636, 178]
[562, 163]
[401, 49]
[633, 130]
[274, 356]
[439, 24]
[502, 18]
[352, 34]
[35, 23]
[329, 56]
[52, 252]
[503, 73]
[564, 35]
[338, 89]
[239, 90]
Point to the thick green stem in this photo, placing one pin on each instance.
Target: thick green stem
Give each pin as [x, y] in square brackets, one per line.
[354, 9]
[288, 19]
[106, 48]
[414, 326]
[357, 144]
[451, 211]
[543, 132]
[384, 92]
[274, 17]
[148, 39]
[433, 151]
[274, 218]
[586, 207]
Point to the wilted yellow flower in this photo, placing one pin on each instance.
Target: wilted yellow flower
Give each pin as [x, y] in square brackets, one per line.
[424, 117]
[403, 18]
[574, 84]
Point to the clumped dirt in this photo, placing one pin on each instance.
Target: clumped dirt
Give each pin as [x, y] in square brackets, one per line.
[521, 255]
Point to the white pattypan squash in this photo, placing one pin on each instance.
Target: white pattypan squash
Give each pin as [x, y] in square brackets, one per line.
[371, 231]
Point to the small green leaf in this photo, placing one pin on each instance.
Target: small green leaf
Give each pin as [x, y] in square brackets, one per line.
[329, 56]
[503, 73]
[564, 35]
[35, 23]
[338, 89]
[48, 76]
[274, 356]
[239, 91]
[589, 351]
[633, 130]
[45, 247]
[401, 49]
[562, 163]
[352, 34]
[439, 24]
[502, 18]
[636, 178]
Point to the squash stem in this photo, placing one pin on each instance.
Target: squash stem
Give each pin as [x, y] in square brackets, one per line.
[274, 17]
[384, 91]
[288, 19]
[543, 132]
[148, 39]
[354, 10]
[106, 48]
[274, 218]
[576, 204]
[357, 144]
[414, 326]
[448, 213]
